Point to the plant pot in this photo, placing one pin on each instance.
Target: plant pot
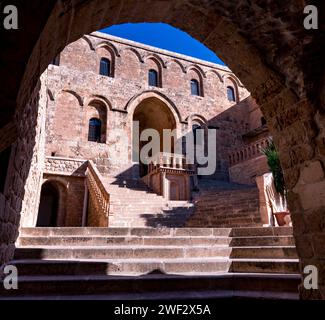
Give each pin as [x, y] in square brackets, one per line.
[280, 217]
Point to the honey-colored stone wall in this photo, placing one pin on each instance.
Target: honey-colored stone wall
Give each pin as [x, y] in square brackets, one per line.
[246, 172]
[24, 174]
[75, 87]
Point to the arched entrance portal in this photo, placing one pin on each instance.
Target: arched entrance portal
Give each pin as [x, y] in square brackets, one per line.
[151, 113]
[49, 206]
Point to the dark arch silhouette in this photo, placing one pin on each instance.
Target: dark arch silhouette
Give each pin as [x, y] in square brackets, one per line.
[49, 206]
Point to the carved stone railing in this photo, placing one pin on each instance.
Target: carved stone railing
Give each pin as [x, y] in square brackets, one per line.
[247, 152]
[99, 197]
[170, 162]
[65, 166]
[169, 175]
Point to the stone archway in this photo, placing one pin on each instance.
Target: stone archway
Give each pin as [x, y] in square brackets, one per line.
[257, 45]
[53, 192]
[49, 206]
[151, 113]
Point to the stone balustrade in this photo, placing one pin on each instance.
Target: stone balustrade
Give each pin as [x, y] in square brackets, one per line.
[247, 152]
[99, 198]
[171, 161]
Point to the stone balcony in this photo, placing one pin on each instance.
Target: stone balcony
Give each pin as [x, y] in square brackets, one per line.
[170, 175]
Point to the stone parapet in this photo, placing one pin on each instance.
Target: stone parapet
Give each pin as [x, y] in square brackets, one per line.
[65, 166]
[246, 152]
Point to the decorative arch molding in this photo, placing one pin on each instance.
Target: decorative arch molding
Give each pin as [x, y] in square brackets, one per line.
[136, 100]
[109, 46]
[233, 79]
[99, 99]
[235, 82]
[177, 62]
[57, 182]
[91, 45]
[136, 52]
[196, 69]
[211, 71]
[76, 95]
[197, 117]
[156, 59]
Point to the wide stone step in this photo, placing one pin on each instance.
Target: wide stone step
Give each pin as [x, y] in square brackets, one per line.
[122, 267]
[158, 286]
[237, 222]
[149, 217]
[232, 215]
[284, 266]
[264, 252]
[160, 211]
[138, 205]
[130, 190]
[227, 200]
[158, 223]
[118, 252]
[147, 223]
[260, 231]
[134, 210]
[228, 192]
[135, 197]
[149, 220]
[115, 232]
[214, 221]
[122, 241]
[224, 203]
[51, 261]
[262, 241]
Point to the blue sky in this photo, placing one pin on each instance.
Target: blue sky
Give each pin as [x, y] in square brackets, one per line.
[163, 36]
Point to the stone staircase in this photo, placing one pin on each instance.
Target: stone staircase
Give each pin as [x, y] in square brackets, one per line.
[133, 204]
[222, 204]
[148, 263]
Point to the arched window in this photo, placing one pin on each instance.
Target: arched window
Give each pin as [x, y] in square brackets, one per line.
[195, 88]
[105, 67]
[263, 121]
[95, 129]
[231, 94]
[196, 134]
[153, 78]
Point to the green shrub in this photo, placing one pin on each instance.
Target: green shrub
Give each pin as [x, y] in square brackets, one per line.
[273, 161]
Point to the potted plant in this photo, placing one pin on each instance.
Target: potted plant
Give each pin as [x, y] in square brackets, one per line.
[279, 203]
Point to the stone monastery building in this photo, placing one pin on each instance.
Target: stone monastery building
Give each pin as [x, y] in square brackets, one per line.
[91, 96]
